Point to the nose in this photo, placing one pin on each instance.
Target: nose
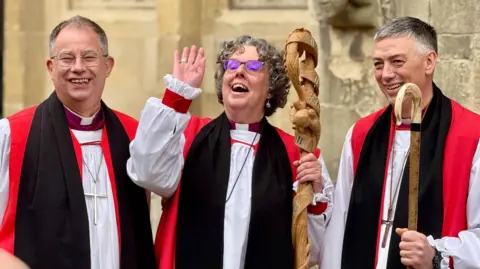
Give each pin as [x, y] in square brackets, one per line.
[78, 65]
[240, 72]
[388, 72]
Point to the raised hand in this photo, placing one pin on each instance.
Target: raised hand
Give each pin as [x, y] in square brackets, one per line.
[190, 68]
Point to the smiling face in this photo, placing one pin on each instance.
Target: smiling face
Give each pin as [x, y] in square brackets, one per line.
[399, 60]
[245, 89]
[79, 68]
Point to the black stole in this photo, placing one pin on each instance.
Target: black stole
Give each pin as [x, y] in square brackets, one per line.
[203, 192]
[51, 228]
[360, 240]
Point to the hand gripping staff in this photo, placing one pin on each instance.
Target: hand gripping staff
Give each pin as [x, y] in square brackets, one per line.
[305, 117]
[413, 93]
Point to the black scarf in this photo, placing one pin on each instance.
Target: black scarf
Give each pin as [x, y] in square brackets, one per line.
[360, 240]
[51, 228]
[202, 201]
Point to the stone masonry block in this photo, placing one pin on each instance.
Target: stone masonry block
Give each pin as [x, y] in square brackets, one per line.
[459, 17]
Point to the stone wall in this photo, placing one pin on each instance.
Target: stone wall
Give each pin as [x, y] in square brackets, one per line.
[144, 34]
[348, 88]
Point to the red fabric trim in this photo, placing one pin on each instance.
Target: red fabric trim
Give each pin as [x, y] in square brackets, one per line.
[19, 126]
[460, 148]
[108, 160]
[359, 133]
[176, 101]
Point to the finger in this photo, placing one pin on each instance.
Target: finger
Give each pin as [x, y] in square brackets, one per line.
[200, 56]
[296, 164]
[309, 178]
[307, 158]
[407, 261]
[307, 165]
[192, 55]
[310, 171]
[184, 54]
[176, 56]
[400, 231]
[408, 246]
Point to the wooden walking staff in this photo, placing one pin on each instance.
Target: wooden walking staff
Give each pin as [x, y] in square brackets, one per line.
[305, 117]
[413, 92]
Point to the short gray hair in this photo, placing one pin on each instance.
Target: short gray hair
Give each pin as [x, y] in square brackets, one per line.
[423, 34]
[79, 21]
[278, 81]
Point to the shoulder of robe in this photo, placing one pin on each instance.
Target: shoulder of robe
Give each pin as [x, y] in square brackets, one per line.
[26, 114]
[289, 142]
[363, 125]
[465, 122]
[129, 123]
[195, 124]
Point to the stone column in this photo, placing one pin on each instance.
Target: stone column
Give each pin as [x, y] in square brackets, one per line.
[179, 25]
[348, 90]
[24, 61]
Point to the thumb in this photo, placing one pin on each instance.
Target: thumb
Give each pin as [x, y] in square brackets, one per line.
[400, 231]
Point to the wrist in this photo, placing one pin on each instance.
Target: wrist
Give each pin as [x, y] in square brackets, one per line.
[437, 259]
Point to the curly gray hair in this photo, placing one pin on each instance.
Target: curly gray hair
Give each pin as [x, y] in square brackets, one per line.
[278, 84]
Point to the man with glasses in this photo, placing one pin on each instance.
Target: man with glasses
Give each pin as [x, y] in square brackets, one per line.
[232, 207]
[66, 200]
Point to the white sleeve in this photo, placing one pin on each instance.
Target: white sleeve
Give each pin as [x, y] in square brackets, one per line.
[4, 165]
[465, 249]
[316, 223]
[156, 152]
[332, 243]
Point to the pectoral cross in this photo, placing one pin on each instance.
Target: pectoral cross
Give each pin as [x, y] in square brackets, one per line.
[388, 222]
[95, 196]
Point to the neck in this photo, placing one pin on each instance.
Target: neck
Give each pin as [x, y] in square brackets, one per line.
[243, 118]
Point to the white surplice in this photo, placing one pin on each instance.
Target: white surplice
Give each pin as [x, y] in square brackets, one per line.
[465, 250]
[104, 250]
[157, 160]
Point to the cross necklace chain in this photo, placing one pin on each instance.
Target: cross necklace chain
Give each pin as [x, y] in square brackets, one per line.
[95, 195]
[389, 221]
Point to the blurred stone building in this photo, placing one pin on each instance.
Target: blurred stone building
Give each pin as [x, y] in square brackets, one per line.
[144, 33]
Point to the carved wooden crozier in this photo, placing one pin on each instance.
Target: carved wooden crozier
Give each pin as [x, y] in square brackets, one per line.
[413, 92]
[305, 117]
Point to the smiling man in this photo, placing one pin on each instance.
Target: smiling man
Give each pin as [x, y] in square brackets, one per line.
[66, 200]
[367, 229]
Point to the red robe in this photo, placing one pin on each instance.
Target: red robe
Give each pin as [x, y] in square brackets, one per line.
[19, 130]
[460, 147]
[166, 234]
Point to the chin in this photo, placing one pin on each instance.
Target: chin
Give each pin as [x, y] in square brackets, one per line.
[80, 94]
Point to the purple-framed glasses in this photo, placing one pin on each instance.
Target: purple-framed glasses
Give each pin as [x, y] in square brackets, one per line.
[252, 65]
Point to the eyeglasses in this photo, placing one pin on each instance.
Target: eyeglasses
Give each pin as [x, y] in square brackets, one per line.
[252, 65]
[67, 59]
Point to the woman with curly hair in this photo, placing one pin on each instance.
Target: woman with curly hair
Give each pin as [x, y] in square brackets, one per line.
[227, 182]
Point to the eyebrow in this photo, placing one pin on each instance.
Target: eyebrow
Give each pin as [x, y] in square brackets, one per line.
[390, 57]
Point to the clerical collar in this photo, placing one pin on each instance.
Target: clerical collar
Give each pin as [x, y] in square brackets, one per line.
[80, 123]
[252, 127]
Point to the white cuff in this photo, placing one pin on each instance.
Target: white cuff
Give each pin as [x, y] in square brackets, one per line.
[321, 197]
[437, 244]
[181, 88]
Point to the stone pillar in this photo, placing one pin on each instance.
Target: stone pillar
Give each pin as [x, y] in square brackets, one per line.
[348, 90]
[24, 59]
[179, 25]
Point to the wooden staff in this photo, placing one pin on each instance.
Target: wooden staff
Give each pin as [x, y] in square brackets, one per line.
[414, 93]
[305, 117]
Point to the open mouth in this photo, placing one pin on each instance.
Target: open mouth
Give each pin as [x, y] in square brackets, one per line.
[79, 81]
[239, 88]
[393, 87]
